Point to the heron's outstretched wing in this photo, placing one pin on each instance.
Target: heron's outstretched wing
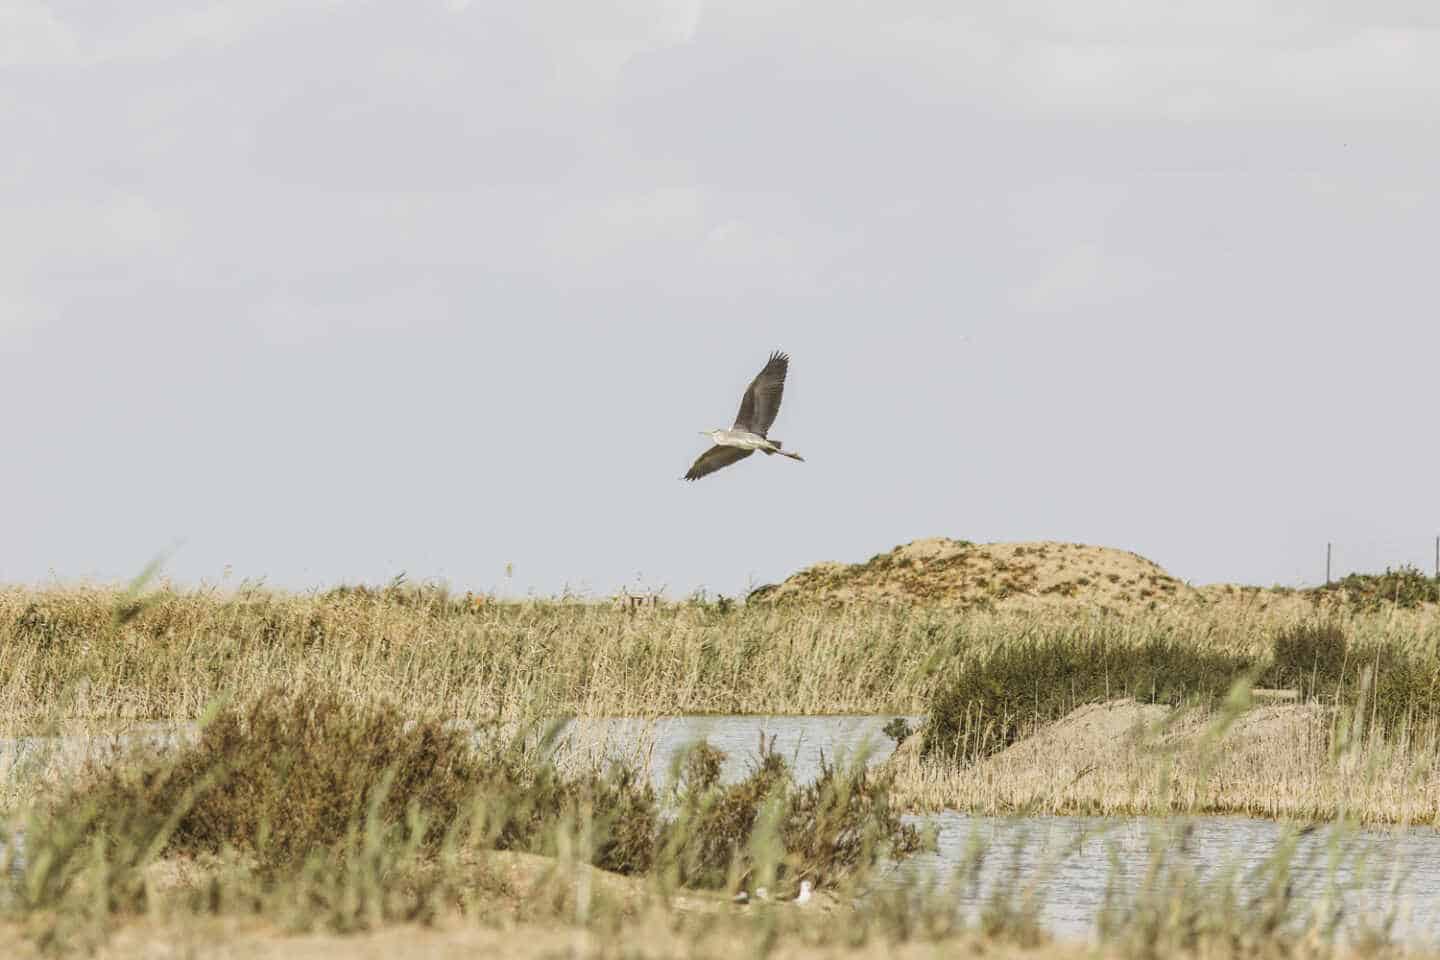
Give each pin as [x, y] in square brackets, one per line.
[715, 458]
[762, 400]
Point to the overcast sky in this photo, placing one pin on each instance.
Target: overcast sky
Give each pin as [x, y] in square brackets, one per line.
[323, 292]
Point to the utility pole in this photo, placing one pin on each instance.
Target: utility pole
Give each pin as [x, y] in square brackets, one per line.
[1327, 564]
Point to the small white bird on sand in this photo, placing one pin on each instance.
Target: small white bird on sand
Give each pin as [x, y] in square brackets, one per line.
[806, 890]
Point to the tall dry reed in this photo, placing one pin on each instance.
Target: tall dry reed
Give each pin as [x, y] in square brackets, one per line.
[99, 656]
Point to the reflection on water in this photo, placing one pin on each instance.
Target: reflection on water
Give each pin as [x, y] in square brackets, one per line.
[1070, 860]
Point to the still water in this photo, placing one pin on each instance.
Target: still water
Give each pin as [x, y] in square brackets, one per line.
[805, 742]
[1069, 862]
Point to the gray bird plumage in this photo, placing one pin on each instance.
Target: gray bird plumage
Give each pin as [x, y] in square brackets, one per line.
[758, 409]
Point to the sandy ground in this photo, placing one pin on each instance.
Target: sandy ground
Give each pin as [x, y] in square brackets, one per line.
[529, 901]
[952, 572]
[1041, 573]
[652, 938]
[1276, 759]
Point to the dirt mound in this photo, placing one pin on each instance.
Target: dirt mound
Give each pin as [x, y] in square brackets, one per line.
[1121, 749]
[1088, 732]
[959, 573]
[1124, 757]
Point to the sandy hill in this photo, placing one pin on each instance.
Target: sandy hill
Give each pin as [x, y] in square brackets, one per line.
[959, 573]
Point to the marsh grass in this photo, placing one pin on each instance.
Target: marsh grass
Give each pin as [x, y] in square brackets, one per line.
[363, 817]
[1175, 910]
[429, 822]
[1310, 762]
[1012, 689]
[288, 774]
[81, 661]
[63, 652]
[382, 757]
[103, 657]
[829, 828]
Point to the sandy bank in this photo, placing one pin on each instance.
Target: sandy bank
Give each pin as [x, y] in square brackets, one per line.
[1282, 760]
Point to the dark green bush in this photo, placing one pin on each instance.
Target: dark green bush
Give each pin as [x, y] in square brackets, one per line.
[1308, 657]
[898, 730]
[1404, 688]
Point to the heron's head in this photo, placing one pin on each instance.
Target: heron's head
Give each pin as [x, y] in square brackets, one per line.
[709, 433]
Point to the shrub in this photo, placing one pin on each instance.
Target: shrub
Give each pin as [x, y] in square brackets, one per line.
[286, 776]
[1309, 657]
[1406, 587]
[321, 787]
[898, 730]
[767, 824]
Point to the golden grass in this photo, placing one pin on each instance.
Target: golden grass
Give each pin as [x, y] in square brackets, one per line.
[100, 656]
[527, 906]
[535, 907]
[93, 660]
[62, 653]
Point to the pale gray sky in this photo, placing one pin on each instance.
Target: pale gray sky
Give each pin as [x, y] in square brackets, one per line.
[326, 291]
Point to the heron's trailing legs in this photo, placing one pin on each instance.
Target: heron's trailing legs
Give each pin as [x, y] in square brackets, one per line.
[785, 453]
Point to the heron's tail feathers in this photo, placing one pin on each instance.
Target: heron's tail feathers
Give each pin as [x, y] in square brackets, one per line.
[785, 453]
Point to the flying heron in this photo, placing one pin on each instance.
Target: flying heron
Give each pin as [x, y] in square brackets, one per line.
[757, 411]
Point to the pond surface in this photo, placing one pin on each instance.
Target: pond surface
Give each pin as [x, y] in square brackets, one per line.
[1070, 861]
[804, 742]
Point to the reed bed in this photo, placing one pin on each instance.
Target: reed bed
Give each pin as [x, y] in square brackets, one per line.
[991, 683]
[103, 656]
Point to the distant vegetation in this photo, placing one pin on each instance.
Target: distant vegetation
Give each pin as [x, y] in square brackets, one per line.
[995, 699]
[109, 656]
[1407, 588]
